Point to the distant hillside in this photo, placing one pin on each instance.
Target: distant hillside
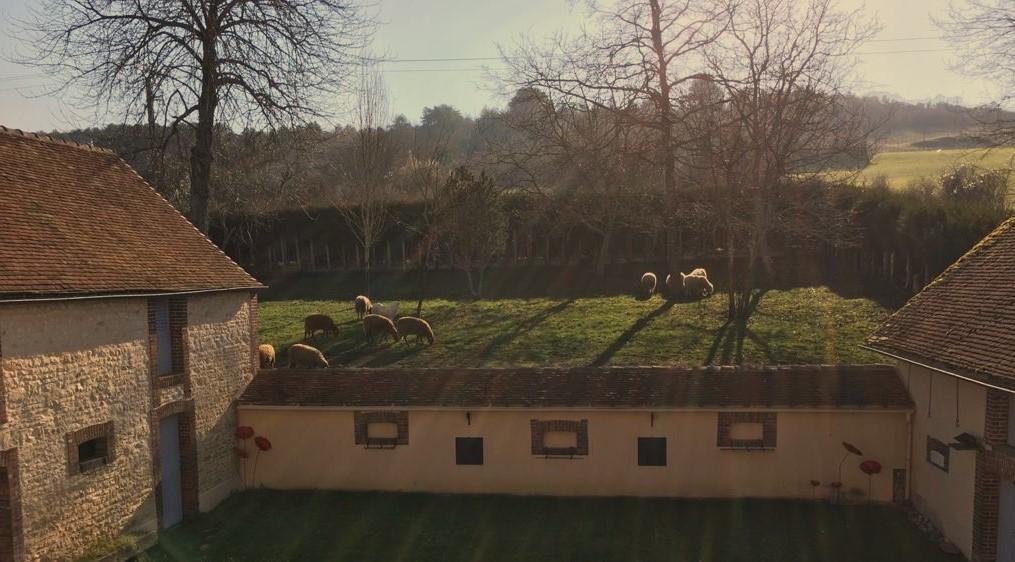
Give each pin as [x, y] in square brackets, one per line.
[926, 126]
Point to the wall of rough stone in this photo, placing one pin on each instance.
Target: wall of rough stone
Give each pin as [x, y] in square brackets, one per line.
[66, 366]
[218, 341]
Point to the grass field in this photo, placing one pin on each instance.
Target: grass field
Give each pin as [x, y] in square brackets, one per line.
[806, 325]
[337, 526]
[901, 168]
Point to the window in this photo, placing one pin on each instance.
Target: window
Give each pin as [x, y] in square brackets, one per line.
[651, 451]
[560, 438]
[469, 450]
[167, 319]
[747, 431]
[90, 448]
[92, 454]
[381, 429]
[937, 453]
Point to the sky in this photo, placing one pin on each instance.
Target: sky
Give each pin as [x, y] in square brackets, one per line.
[906, 59]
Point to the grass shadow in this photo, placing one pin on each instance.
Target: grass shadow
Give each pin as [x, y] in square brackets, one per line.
[524, 326]
[618, 344]
[384, 358]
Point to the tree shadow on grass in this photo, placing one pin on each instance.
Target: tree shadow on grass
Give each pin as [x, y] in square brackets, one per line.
[388, 357]
[728, 343]
[618, 344]
[523, 327]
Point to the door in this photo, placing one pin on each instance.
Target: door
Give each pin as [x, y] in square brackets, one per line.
[6, 528]
[169, 470]
[1006, 523]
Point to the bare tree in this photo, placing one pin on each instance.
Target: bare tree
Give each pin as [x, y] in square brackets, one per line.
[473, 225]
[201, 62]
[983, 33]
[364, 194]
[771, 117]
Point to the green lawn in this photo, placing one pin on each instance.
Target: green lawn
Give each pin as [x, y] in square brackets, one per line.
[807, 325]
[317, 525]
[900, 168]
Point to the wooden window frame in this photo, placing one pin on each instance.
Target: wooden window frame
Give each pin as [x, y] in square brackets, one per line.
[76, 438]
[362, 420]
[769, 430]
[539, 428]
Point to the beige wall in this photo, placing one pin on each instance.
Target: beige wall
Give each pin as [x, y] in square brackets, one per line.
[315, 449]
[71, 364]
[945, 497]
[67, 366]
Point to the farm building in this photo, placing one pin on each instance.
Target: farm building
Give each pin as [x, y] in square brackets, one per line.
[125, 337]
[955, 347]
[712, 432]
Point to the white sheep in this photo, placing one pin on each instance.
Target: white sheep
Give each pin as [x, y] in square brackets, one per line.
[301, 355]
[648, 283]
[696, 285]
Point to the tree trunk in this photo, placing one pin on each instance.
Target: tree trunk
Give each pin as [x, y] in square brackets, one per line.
[665, 107]
[201, 153]
[468, 278]
[423, 258]
[604, 253]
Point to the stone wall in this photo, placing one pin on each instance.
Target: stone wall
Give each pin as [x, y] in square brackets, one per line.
[68, 367]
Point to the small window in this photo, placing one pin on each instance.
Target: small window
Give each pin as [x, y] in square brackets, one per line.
[469, 450]
[651, 451]
[560, 439]
[92, 454]
[747, 431]
[382, 430]
[937, 453]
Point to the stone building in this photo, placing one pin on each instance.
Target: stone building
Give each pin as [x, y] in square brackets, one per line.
[713, 432]
[954, 343]
[125, 338]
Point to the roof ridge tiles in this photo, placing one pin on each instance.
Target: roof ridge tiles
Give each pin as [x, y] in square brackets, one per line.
[42, 137]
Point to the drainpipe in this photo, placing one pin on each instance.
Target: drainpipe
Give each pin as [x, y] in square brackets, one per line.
[909, 454]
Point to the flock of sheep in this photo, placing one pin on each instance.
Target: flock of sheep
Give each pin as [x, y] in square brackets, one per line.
[375, 326]
[380, 326]
[694, 284]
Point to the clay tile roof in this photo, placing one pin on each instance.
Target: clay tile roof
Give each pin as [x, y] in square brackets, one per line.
[78, 221]
[963, 321]
[808, 386]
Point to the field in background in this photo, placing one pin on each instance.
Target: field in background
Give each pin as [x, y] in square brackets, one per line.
[805, 325]
[334, 526]
[903, 167]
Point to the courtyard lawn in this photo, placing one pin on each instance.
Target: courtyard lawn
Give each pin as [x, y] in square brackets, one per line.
[332, 526]
[807, 325]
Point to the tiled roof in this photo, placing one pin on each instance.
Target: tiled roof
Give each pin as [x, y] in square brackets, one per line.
[963, 321]
[77, 220]
[855, 386]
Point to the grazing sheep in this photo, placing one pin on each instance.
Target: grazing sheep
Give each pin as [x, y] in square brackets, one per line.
[696, 285]
[316, 322]
[363, 306]
[700, 272]
[671, 285]
[376, 325]
[306, 356]
[266, 354]
[412, 326]
[648, 283]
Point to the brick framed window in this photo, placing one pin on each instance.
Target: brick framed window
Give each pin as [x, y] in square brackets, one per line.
[747, 431]
[167, 323]
[468, 450]
[938, 453]
[651, 451]
[90, 448]
[381, 429]
[560, 438]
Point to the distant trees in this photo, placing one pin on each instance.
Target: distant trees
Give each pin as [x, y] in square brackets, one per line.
[198, 64]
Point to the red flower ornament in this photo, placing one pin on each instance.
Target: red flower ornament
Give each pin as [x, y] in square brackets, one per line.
[870, 467]
[262, 443]
[244, 432]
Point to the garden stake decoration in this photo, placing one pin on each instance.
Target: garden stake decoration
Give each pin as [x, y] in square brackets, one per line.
[243, 433]
[870, 468]
[814, 489]
[851, 449]
[262, 445]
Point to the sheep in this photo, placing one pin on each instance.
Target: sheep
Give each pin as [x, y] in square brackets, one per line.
[696, 285]
[671, 285]
[648, 283]
[375, 324]
[363, 306]
[306, 356]
[412, 326]
[700, 272]
[266, 354]
[316, 322]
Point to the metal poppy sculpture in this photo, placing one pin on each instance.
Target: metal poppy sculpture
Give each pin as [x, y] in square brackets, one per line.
[814, 488]
[870, 468]
[263, 445]
[851, 449]
[243, 433]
